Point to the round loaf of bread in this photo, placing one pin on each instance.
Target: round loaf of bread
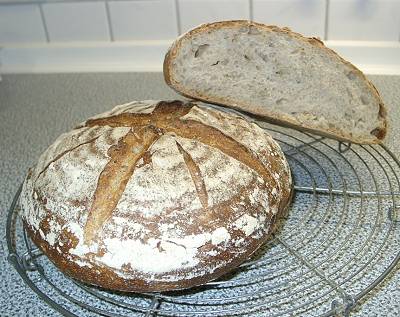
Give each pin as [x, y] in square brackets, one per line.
[156, 196]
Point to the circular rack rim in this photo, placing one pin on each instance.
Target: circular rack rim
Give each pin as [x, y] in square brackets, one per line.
[27, 261]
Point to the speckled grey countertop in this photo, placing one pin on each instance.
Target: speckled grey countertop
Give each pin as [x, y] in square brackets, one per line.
[35, 109]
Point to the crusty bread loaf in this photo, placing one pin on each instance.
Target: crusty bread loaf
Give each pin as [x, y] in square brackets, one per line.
[155, 196]
[279, 75]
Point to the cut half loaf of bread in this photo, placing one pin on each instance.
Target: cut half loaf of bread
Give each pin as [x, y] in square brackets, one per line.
[279, 75]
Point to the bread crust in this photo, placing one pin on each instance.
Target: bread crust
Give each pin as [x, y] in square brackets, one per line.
[213, 234]
[273, 118]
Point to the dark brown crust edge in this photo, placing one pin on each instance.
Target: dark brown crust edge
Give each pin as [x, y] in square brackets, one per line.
[172, 52]
[107, 279]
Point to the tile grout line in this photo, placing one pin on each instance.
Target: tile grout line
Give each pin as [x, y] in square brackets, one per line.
[326, 26]
[109, 24]
[178, 17]
[251, 10]
[46, 30]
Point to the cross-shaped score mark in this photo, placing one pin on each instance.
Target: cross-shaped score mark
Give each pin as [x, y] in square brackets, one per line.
[146, 129]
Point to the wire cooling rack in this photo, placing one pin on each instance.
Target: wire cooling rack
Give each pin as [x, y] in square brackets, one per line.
[341, 238]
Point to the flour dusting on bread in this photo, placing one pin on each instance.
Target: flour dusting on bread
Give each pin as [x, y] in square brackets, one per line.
[160, 235]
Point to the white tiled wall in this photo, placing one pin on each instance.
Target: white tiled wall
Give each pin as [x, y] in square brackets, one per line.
[127, 20]
[367, 32]
[376, 20]
[143, 19]
[306, 17]
[21, 23]
[76, 21]
[195, 12]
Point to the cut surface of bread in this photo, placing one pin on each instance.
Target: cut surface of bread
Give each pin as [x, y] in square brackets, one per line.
[279, 75]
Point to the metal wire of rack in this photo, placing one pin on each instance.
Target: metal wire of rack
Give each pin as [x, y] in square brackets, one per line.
[339, 241]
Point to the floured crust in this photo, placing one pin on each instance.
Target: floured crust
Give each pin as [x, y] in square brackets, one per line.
[265, 114]
[188, 205]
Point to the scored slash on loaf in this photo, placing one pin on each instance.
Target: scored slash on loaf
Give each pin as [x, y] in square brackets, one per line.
[156, 196]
